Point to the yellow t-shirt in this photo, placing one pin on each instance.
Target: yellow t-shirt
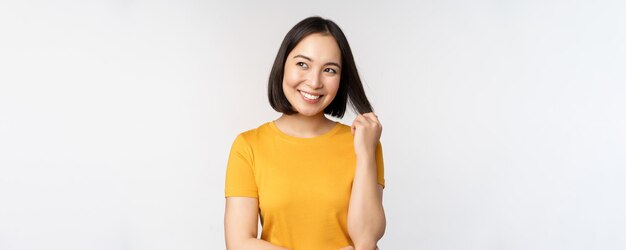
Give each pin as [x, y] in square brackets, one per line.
[303, 184]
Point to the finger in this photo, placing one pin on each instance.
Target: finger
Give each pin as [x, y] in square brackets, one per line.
[356, 125]
[371, 116]
[373, 119]
[353, 126]
[359, 118]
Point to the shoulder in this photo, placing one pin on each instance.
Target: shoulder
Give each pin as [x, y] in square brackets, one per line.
[254, 134]
[343, 130]
[343, 126]
[245, 141]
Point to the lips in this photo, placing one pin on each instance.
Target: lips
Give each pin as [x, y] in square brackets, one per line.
[314, 95]
[309, 98]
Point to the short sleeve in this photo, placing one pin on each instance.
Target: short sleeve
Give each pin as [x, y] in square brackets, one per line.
[239, 170]
[380, 165]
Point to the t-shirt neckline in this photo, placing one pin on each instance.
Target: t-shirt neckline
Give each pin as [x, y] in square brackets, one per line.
[318, 138]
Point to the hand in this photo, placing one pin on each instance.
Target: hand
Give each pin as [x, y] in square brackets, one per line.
[366, 130]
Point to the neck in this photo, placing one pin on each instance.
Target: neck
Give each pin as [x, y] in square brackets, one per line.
[304, 126]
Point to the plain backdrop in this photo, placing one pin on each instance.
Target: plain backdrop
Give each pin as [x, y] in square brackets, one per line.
[504, 121]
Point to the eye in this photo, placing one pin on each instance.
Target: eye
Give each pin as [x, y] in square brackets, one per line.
[303, 65]
[330, 70]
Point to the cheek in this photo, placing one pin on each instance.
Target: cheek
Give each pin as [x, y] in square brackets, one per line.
[291, 77]
[333, 85]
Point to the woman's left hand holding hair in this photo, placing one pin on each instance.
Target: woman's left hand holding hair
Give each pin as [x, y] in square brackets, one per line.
[366, 130]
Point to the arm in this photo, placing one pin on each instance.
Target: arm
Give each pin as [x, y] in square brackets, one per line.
[366, 216]
[240, 225]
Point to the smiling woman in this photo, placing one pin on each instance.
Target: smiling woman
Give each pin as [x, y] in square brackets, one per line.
[315, 183]
[318, 71]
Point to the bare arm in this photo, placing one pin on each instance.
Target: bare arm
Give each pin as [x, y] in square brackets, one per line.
[366, 216]
[240, 225]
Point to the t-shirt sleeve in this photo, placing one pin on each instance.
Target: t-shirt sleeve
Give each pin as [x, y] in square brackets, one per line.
[239, 170]
[380, 165]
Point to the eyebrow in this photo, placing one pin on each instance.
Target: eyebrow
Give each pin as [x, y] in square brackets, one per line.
[308, 58]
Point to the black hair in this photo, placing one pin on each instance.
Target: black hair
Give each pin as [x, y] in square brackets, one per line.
[350, 86]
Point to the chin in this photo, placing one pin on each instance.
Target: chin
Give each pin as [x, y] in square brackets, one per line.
[309, 112]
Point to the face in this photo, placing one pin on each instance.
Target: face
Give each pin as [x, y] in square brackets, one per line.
[312, 74]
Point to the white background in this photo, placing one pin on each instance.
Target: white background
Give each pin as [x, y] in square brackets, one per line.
[503, 120]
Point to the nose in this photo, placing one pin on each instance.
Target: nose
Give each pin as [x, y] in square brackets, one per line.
[314, 80]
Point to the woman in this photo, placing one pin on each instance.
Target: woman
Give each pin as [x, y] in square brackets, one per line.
[316, 184]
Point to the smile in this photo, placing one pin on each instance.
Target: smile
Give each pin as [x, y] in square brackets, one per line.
[309, 96]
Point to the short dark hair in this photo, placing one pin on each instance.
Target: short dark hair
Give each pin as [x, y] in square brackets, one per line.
[350, 86]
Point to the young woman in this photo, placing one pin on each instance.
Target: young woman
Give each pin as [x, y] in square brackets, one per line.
[315, 183]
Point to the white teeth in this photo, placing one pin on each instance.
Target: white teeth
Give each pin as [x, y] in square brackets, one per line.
[309, 96]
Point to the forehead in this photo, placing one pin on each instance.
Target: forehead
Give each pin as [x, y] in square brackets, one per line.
[319, 47]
